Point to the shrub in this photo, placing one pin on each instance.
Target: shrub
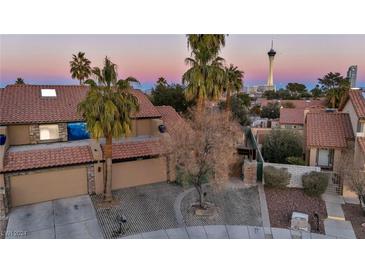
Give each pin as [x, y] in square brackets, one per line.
[314, 183]
[276, 177]
[295, 161]
[280, 144]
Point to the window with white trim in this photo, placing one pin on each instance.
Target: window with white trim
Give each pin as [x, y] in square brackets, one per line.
[48, 132]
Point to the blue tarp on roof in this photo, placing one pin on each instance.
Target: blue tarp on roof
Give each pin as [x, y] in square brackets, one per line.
[77, 131]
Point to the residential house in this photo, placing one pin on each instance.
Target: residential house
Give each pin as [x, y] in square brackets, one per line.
[354, 105]
[292, 118]
[48, 153]
[327, 136]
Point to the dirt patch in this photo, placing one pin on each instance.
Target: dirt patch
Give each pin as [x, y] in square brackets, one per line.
[282, 203]
[354, 214]
[234, 207]
[3, 224]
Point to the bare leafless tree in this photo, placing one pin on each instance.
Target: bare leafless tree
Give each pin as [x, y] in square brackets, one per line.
[351, 173]
[204, 148]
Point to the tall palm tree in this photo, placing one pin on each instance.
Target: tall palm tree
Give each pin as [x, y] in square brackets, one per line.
[205, 75]
[203, 79]
[232, 82]
[107, 109]
[210, 42]
[19, 81]
[80, 67]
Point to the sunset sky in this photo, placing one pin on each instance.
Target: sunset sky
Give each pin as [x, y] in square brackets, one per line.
[44, 59]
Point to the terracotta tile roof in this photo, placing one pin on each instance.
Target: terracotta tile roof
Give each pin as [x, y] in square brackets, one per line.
[328, 130]
[357, 100]
[42, 158]
[170, 118]
[291, 116]
[23, 104]
[136, 149]
[361, 141]
[321, 103]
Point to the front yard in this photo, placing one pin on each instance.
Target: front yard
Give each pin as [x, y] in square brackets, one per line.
[354, 214]
[282, 202]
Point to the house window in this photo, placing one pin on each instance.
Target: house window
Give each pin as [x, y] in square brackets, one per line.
[360, 127]
[325, 157]
[48, 132]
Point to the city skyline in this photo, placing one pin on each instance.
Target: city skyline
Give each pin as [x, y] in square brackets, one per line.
[44, 59]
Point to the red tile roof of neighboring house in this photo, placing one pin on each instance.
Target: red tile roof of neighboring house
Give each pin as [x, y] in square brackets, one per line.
[23, 104]
[328, 130]
[321, 103]
[361, 141]
[357, 100]
[42, 158]
[135, 149]
[291, 116]
[170, 118]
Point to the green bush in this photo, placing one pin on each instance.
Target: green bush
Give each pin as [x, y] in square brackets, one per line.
[276, 177]
[295, 161]
[314, 183]
[280, 144]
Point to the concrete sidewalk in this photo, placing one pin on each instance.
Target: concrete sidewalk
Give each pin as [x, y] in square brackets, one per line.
[71, 218]
[336, 223]
[227, 232]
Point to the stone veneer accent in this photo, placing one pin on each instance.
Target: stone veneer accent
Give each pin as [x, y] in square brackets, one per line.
[5, 198]
[91, 179]
[249, 170]
[34, 134]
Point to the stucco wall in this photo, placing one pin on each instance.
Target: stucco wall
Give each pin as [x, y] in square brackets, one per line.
[50, 184]
[349, 108]
[18, 135]
[295, 171]
[141, 172]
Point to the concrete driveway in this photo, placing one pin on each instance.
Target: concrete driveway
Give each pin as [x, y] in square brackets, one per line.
[71, 218]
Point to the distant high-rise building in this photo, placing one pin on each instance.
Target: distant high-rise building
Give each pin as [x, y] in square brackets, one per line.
[270, 78]
[352, 74]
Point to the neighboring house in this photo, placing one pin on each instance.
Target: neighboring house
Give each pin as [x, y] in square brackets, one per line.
[48, 153]
[292, 118]
[354, 105]
[327, 136]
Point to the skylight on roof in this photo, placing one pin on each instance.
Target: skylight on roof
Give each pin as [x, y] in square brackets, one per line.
[48, 92]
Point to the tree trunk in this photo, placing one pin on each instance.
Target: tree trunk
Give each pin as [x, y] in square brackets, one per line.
[80, 82]
[201, 195]
[108, 159]
[333, 102]
[228, 100]
[200, 104]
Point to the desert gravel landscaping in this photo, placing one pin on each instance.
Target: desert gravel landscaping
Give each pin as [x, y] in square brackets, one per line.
[354, 214]
[282, 202]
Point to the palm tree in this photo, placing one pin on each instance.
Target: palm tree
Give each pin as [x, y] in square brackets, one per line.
[205, 75]
[107, 109]
[232, 82]
[209, 42]
[335, 87]
[161, 81]
[80, 67]
[19, 81]
[203, 79]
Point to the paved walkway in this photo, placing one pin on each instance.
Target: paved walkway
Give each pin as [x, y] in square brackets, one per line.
[71, 218]
[336, 224]
[228, 232]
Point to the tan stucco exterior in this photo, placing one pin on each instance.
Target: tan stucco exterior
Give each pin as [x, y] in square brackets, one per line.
[141, 172]
[48, 185]
[336, 157]
[18, 135]
[349, 108]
